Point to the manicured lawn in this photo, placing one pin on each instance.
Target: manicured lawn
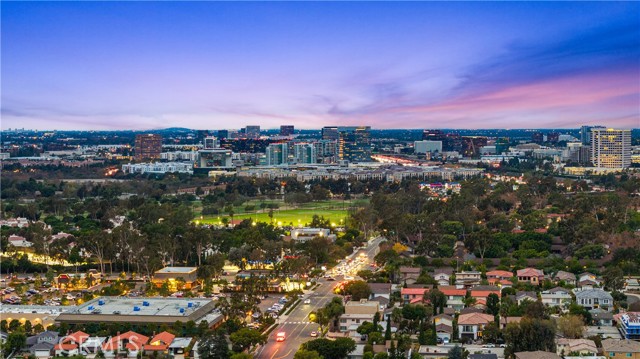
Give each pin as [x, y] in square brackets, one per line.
[334, 210]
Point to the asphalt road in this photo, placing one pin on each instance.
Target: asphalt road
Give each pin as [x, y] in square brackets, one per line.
[296, 325]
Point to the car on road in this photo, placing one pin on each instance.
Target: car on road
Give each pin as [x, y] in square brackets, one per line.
[307, 301]
[489, 345]
[280, 337]
[503, 345]
[314, 334]
[331, 279]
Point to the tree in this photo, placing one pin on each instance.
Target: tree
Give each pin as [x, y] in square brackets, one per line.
[15, 341]
[213, 345]
[358, 290]
[368, 327]
[438, 300]
[245, 338]
[491, 333]
[331, 349]
[493, 304]
[571, 326]
[307, 354]
[613, 278]
[456, 353]
[530, 334]
[387, 331]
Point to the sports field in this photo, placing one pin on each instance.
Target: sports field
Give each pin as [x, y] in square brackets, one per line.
[334, 210]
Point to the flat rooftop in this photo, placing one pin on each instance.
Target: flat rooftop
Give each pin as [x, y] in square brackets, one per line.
[177, 270]
[156, 306]
[140, 310]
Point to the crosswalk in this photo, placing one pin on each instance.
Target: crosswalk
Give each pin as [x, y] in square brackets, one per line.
[296, 322]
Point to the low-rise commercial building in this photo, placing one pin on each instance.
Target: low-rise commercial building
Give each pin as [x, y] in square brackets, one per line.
[142, 311]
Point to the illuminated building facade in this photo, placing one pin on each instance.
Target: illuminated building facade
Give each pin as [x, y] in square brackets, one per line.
[610, 148]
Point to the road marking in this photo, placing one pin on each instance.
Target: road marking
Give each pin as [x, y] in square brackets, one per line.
[284, 356]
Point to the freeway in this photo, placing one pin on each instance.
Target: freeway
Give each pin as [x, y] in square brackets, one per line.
[296, 325]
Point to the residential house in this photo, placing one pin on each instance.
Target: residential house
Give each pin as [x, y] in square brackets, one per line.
[129, 342]
[41, 350]
[433, 351]
[583, 347]
[19, 242]
[413, 295]
[409, 275]
[621, 348]
[629, 325]
[47, 336]
[380, 290]
[159, 343]
[555, 297]
[356, 313]
[471, 325]
[531, 275]
[444, 326]
[601, 318]
[536, 355]
[482, 292]
[468, 279]
[594, 298]
[523, 296]
[588, 280]
[497, 277]
[70, 345]
[443, 276]
[178, 347]
[566, 277]
[455, 297]
[631, 285]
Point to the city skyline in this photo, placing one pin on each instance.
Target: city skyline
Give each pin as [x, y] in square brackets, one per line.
[207, 65]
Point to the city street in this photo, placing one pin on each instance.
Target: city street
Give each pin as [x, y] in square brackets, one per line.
[296, 325]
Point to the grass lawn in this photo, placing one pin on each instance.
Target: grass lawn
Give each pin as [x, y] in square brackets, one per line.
[334, 210]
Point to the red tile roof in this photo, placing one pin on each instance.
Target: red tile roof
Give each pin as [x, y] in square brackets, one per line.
[474, 318]
[65, 347]
[413, 291]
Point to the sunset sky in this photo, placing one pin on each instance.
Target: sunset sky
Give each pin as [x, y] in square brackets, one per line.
[209, 65]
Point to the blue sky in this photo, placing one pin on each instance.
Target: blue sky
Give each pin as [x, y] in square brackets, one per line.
[210, 65]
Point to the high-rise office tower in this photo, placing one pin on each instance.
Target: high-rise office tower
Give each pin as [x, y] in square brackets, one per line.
[326, 150]
[286, 130]
[330, 133]
[585, 133]
[354, 143]
[304, 153]
[148, 147]
[252, 131]
[610, 148]
[277, 154]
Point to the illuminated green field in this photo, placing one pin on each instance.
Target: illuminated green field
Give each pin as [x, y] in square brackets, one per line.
[334, 210]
